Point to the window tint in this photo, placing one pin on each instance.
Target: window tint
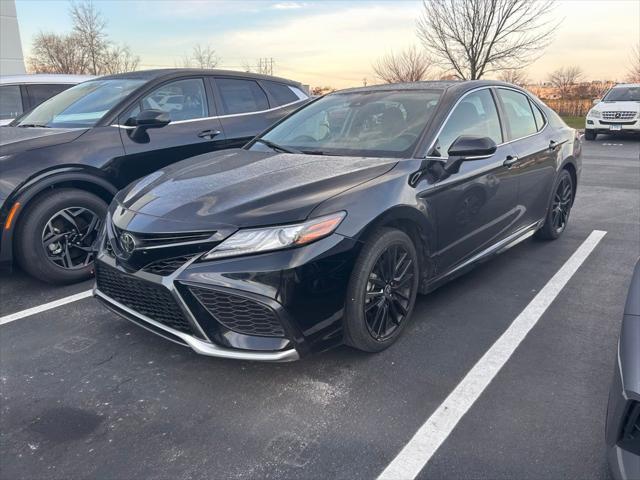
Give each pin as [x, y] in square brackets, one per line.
[182, 100]
[39, 93]
[241, 96]
[518, 113]
[10, 102]
[281, 93]
[538, 116]
[475, 115]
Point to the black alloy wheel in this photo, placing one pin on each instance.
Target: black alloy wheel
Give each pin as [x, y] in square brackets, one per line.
[382, 290]
[559, 209]
[68, 237]
[56, 234]
[388, 292]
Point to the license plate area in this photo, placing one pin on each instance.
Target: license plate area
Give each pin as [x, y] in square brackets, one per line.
[615, 127]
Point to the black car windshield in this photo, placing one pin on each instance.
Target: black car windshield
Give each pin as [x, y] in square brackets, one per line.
[81, 106]
[383, 123]
[623, 94]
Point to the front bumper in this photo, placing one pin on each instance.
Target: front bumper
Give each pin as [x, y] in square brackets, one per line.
[298, 293]
[613, 126]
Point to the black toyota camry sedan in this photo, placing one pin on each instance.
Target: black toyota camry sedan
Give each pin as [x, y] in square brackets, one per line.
[62, 162]
[325, 228]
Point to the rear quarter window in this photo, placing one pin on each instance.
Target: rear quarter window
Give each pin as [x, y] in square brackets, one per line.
[280, 93]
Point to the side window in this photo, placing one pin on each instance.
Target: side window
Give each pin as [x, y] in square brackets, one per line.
[280, 92]
[475, 115]
[538, 115]
[241, 96]
[518, 113]
[39, 93]
[182, 100]
[10, 102]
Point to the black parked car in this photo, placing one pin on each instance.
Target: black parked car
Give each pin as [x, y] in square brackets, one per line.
[63, 161]
[623, 412]
[324, 229]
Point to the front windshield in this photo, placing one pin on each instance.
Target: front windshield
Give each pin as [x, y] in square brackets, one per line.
[623, 94]
[81, 106]
[373, 124]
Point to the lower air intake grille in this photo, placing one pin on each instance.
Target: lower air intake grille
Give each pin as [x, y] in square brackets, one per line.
[167, 266]
[240, 314]
[153, 301]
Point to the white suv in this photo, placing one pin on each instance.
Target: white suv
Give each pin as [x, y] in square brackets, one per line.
[618, 111]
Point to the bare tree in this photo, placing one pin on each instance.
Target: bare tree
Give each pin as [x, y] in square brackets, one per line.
[89, 28]
[514, 76]
[474, 37]
[410, 65]
[634, 69]
[52, 53]
[119, 59]
[564, 79]
[202, 57]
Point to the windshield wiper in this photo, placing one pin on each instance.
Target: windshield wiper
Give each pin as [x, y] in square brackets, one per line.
[33, 125]
[276, 147]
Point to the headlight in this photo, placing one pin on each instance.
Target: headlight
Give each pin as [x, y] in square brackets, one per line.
[266, 239]
[594, 113]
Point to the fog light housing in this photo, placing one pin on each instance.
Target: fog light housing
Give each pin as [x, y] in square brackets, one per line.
[589, 122]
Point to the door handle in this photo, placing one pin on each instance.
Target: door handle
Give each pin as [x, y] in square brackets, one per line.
[209, 134]
[510, 161]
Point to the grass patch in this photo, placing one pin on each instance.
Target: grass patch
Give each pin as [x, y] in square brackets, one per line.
[574, 122]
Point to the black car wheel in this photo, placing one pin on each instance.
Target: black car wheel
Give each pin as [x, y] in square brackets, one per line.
[590, 134]
[382, 291]
[558, 213]
[55, 239]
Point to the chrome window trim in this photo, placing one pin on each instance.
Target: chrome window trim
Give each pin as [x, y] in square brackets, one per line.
[486, 87]
[230, 115]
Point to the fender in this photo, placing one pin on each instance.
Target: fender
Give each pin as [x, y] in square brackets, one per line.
[27, 191]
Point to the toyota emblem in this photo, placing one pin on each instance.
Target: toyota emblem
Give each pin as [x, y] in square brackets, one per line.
[127, 242]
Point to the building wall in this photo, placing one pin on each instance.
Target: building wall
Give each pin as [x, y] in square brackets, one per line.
[11, 59]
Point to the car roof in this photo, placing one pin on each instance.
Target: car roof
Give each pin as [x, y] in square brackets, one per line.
[177, 72]
[38, 78]
[627, 85]
[454, 85]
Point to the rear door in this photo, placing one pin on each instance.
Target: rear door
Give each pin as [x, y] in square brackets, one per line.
[250, 106]
[194, 127]
[536, 152]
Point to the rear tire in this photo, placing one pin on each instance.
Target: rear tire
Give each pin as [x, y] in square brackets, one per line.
[67, 221]
[382, 291]
[560, 208]
[590, 134]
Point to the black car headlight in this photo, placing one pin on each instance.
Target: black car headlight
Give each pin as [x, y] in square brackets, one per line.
[257, 240]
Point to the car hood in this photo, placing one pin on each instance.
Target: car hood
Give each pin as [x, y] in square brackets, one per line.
[619, 106]
[244, 188]
[18, 139]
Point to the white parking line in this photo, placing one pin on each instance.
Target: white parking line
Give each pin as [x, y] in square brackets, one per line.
[46, 306]
[415, 455]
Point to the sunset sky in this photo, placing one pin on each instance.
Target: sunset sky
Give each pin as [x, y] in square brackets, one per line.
[327, 42]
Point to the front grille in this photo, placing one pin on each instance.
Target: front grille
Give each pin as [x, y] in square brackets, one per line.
[239, 314]
[167, 266]
[153, 301]
[622, 115]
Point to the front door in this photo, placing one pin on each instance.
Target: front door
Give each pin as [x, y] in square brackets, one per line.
[193, 129]
[477, 206]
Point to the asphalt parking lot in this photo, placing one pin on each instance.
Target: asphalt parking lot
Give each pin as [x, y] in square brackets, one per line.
[86, 394]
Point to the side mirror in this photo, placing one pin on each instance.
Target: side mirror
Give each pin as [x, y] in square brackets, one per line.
[148, 119]
[467, 148]
[596, 101]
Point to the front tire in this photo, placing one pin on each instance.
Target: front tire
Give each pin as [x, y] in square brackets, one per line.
[382, 291]
[54, 239]
[560, 208]
[590, 134]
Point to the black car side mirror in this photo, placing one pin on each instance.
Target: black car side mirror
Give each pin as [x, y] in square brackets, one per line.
[148, 119]
[466, 148]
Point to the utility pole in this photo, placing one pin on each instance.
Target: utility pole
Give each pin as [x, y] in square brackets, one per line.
[265, 65]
